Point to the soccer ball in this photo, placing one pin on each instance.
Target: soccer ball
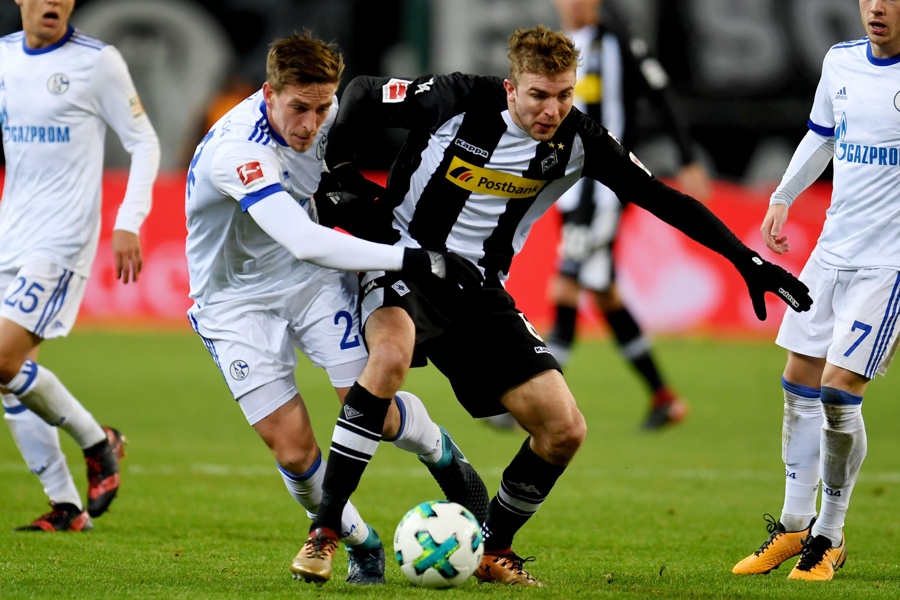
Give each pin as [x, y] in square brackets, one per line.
[438, 544]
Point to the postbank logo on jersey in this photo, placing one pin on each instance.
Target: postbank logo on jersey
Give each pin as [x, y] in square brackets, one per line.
[493, 183]
[861, 153]
[250, 172]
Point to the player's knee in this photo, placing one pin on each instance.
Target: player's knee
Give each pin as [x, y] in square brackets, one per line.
[10, 364]
[391, 361]
[295, 458]
[559, 442]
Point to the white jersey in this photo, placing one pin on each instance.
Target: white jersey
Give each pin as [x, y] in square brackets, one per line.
[241, 160]
[55, 105]
[858, 102]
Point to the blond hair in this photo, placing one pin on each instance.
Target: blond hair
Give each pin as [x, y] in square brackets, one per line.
[302, 59]
[542, 51]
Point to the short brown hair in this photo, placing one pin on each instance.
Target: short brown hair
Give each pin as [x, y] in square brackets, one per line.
[300, 59]
[541, 50]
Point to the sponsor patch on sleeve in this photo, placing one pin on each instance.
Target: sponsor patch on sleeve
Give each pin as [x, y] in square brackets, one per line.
[250, 172]
[636, 161]
[394, 90]
[137, 109]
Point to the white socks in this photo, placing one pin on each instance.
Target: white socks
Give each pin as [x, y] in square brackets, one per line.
[800, 434]
[306, 489]
[844, 445]
[38, 443]
[418, 433]
[42, 392]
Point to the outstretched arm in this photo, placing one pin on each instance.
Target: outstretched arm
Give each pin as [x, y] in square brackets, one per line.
[621, 171]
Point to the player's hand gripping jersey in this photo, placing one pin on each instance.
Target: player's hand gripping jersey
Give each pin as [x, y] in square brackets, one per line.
[469, 180]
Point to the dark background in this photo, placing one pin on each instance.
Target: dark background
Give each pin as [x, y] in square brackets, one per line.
[745, 70]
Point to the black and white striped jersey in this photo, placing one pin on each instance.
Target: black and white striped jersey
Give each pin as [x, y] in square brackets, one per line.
[469, 180]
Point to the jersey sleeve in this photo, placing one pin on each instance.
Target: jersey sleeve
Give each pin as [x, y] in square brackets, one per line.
[821, 117]
[607, 161]
[120, 106]
[246, 171]
[420, 103]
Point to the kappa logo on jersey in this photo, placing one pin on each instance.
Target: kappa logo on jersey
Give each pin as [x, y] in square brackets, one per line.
[490, 182]
[861, 153]
[394, 90]
[250, 172]
[471, 148]
[425, 87]
[58, 83]
[2, 85]
[841, 94]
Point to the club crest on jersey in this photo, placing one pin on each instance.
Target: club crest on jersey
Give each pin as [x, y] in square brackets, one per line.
[400, 287]
[250, 172]
[394, 90]
[239, 370]
[896, 99]
[320, 148]
[549, 161]
[58, 83]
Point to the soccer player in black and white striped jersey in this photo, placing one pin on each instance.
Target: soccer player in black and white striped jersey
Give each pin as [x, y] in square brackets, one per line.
[484, 159]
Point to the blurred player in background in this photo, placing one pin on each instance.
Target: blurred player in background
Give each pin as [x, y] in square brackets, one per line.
[483, 160]
[59, 90]
[850, 335]
[615, 72]
[266, 279]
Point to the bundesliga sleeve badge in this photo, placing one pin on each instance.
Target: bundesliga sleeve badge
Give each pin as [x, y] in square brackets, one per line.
[250, 172]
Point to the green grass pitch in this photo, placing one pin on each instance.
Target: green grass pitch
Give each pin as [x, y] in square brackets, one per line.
[202, 512]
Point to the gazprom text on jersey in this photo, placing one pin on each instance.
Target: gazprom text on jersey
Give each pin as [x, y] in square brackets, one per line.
[867, 155]
[36, 134]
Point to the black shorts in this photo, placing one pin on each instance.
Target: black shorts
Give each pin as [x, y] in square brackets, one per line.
[476, 338]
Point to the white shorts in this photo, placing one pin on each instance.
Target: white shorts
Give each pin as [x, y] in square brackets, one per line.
[42, 297]
[253, 340]
[853, 319]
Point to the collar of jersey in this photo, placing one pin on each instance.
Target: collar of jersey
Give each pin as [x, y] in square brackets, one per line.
[880, 62]
[272, 132]
[51, 48]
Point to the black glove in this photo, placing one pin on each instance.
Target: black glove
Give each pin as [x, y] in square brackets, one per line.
[761, 276]
[347, 199]
[418, 262]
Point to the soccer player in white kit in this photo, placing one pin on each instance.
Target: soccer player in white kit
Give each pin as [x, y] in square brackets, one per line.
[266, 279]
[59, 90]
[850, 335]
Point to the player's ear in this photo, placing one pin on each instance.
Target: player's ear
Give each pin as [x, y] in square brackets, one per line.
[510, 88]
[268, 94]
